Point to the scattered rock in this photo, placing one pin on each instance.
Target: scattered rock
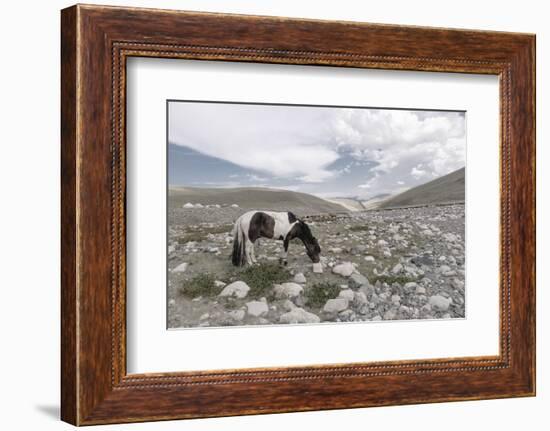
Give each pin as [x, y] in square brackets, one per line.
[300, 278]
[335, 305]
[450, 237]
[367, 289]
[359, 299]
[444, 268]
[287, 290]
[288, 305]
[439, 303]
[182, 267]
[457, 284]
[344, 269]
[360, 248]
[257, 308]
[299, 315]
[420, 290]
[238, 289]
[188, 205]
[397, 268]
[219, 283]
[347, 316]
[389, 315]
[237, 315]
[318, 268]
[357, 280]
[347, 294]
[422, 260]
[369, 258]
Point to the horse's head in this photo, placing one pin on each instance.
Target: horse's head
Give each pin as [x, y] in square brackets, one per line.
[313, 249]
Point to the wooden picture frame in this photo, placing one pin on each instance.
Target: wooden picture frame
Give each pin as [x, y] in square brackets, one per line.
[95, 43]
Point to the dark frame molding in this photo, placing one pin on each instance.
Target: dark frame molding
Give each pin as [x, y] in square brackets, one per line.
[95, 43]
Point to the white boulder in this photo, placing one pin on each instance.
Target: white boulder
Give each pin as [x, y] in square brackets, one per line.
[287, 290]
[347, 294]
[299, 315]
[256, 308]
[318, 268]
[238, 289]
[439, 303]
[336, 305]
[182, 267]
[344, 269]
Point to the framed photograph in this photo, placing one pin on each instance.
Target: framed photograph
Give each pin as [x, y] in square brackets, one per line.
[264, 214]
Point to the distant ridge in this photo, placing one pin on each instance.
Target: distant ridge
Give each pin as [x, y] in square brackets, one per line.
[253, 198]
[449, 188]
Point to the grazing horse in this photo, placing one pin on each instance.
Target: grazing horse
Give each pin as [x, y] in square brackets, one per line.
[282, 226]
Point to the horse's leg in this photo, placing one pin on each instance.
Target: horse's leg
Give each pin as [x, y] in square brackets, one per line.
[249, 247]
[284, 254]
[253, 254]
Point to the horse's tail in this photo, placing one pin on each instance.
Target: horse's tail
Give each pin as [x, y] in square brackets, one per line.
[238, 257]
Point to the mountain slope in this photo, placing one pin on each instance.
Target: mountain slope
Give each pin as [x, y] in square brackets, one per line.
[253, 198]
[446, 189]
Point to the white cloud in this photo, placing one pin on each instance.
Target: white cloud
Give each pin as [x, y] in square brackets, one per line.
[391, 149]
[288, 142]
[417, 172]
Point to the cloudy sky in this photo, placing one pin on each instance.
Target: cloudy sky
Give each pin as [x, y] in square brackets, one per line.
[326, 151]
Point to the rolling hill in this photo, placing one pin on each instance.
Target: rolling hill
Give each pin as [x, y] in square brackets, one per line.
[449, 188]
[253, 198]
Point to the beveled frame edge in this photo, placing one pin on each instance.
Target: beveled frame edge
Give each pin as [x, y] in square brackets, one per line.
[96, 41]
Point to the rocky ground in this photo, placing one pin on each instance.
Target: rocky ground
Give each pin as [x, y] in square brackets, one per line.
[377, 265]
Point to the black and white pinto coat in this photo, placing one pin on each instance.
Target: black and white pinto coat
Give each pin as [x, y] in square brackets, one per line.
[282, 226]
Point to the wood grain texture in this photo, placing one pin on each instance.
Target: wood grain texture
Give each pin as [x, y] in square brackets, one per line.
[69, 366]
[96, 41]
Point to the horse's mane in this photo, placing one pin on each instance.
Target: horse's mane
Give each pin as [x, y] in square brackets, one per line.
[306, 231]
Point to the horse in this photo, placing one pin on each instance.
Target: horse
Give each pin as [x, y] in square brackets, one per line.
[282, 226]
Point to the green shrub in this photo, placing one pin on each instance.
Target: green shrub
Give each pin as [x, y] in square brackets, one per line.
[317, 295]
[390, 279]
[261, 278]
[200, 285]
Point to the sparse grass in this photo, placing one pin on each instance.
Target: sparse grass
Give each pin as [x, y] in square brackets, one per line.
[261, 278]
[317, 295]
[192, 237]
[201, 234]
[200, 285]
[223, 228]
[359, 228]
[390, 279]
